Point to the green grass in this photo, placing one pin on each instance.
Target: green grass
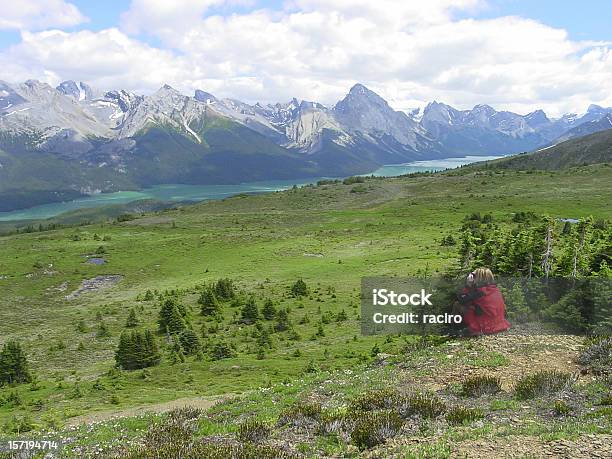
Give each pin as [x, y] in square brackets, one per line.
[326, 235]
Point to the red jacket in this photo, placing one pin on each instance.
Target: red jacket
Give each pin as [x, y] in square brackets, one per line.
[485, 312]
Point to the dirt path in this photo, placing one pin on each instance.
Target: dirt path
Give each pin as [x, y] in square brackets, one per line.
[196, 402]
[583, 447]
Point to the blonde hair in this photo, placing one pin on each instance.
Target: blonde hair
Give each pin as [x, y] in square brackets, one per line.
[483, 276]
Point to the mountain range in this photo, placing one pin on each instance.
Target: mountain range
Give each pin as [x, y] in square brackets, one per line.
[590, 149]
[63, 142]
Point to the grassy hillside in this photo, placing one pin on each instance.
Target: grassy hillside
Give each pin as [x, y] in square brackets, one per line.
[329, 236]
[591, 149]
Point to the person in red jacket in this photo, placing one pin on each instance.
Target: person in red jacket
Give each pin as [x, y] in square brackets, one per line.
[484, 310]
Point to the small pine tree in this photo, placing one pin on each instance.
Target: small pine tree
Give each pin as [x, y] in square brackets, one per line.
[249, 313]
[137, 350]
[221, 350]
[516, 305]
[124, 355]
[268, 311]
[176, 353]
[149, 296]
[448, 241]
[153, 355]
[282, 321]
[14, 368]
[567, 311]
[263, 337]
[341, 317]
[132, 320]
[208, 301]
[224, 289]
[103, 331]
[299, 288]
[189, 342]
[170, 317]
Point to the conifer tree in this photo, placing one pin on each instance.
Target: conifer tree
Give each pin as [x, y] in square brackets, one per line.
[249, 313]
[467, 250]
[176, 354]
[221, 350]
[516, 306]
[299, 288]
[153, 356]
[103, 331]
[282, 320]
[124, 356]
[224, 289]
[14, 368]
[137, 350]
[189, 342]
[132, 320]
[263, 336]
[170, 317]
[341, 317]
[268, 311]
[208, 301]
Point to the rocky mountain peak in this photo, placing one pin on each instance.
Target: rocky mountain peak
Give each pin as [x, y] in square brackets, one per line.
[125, 100]
[595, 108]
[80, 91]
[537, 118]
[203, 96]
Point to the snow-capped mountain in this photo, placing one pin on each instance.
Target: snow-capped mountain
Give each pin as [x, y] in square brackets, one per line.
[588, 127]
[499, 132]
[118, 139]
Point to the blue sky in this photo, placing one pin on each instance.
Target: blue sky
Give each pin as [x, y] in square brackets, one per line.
[514, 54]
[583, 20]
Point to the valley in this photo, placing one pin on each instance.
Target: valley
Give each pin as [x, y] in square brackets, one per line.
[193, 193]
[328, 235]
[68, 142]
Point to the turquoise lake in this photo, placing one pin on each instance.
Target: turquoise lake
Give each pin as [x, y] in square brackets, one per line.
[194, 193]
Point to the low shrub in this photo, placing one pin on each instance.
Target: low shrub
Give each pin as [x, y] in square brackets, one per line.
[461, 415]
[375, 427]
[542, 383]
[354, 179]
[169, 431]
[561, 408]
[331, 422]
[300, 414]
[371, 400]
[253, 431]
[424, 405]
[606, 400]
[208, 450]
[187, 413]
[476, 386]
[359, 189]
[598, 357]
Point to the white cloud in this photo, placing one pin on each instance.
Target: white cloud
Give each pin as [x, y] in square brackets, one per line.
[39, 14]
[106, 59]
[157, 17]
[410, 52]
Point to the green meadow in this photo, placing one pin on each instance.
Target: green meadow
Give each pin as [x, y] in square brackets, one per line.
[330, 236]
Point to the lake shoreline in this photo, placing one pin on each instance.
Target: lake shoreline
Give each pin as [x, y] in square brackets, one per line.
[181, 193]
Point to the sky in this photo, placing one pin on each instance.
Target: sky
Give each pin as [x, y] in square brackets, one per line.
[518, 55]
